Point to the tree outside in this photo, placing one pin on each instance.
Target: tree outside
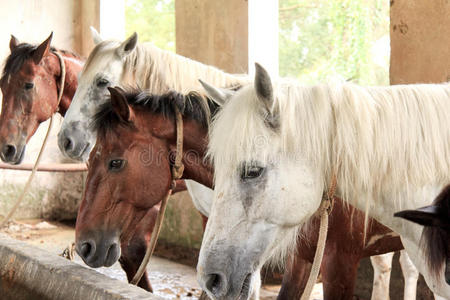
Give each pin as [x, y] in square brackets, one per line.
[317, 39]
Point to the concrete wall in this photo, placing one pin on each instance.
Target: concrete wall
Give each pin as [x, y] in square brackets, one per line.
[52, 195]
[420, 41]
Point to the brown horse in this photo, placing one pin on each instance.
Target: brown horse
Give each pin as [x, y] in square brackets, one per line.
[436, 234]
[129, 172]
[30, 85]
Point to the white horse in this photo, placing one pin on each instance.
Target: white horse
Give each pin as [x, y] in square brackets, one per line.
[125, 64]
[128, 63]
[276, 148]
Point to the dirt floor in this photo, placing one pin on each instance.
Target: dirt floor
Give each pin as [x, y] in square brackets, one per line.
[170, 280]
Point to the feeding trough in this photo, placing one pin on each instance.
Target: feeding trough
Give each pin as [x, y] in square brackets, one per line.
[27, 272]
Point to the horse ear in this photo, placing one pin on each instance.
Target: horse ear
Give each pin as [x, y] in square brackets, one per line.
[13, 43]
[218, 95]
[263, 86]
[42, 50]
[426, 216]
[119, 104]
[128, 45]
[96, 37]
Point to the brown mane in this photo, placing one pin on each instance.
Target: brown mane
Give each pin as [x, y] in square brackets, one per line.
[192, 105]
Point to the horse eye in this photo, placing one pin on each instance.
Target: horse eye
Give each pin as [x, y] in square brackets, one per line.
[116, 164]
[102, 83]
[251, 172]
[28, 85]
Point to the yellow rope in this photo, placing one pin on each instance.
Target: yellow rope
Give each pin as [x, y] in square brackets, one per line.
[325, 210]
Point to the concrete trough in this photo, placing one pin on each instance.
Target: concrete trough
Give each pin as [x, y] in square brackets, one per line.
[27, 272]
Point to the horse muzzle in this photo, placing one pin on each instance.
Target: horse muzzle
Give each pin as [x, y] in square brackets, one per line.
[226, 280]
[12, 153]
[102, 253]
[74, 143]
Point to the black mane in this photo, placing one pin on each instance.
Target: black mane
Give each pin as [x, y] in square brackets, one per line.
[192, 106]
[435, 238]
[20, 54]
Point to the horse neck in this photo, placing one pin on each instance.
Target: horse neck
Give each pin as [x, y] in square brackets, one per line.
[159, 71]
[73, 66]
[195, 142]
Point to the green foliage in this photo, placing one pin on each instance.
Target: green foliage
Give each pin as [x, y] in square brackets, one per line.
[318, 39]
[153, 20]
[324, 38]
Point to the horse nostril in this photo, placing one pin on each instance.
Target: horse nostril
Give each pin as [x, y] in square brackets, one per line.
[85, 250]
[68, 144]
[9, 151]
[112, 255]
[215, 283]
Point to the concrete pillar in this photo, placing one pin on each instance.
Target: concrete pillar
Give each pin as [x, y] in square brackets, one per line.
[229, 34]
[420, 41]
[213, 32]
[87, 13]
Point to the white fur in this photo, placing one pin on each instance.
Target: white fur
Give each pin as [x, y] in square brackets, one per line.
[387, 145]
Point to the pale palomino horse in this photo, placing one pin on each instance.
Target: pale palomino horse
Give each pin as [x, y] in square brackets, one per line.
[129, 64]
[275, 149]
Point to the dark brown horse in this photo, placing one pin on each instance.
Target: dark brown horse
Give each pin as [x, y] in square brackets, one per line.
[129, 172]
[30, 85]
[436, 234]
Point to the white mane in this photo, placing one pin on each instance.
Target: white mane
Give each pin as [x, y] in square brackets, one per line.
[158, 70]
[376, 139]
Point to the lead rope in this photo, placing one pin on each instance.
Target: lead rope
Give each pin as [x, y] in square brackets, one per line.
[325, 209]
[44, 143]
[177, 172]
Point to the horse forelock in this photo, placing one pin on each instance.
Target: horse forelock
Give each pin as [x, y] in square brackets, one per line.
[99, 56]
[16, 59]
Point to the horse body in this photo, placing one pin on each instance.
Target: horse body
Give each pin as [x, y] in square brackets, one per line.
[275, 150]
